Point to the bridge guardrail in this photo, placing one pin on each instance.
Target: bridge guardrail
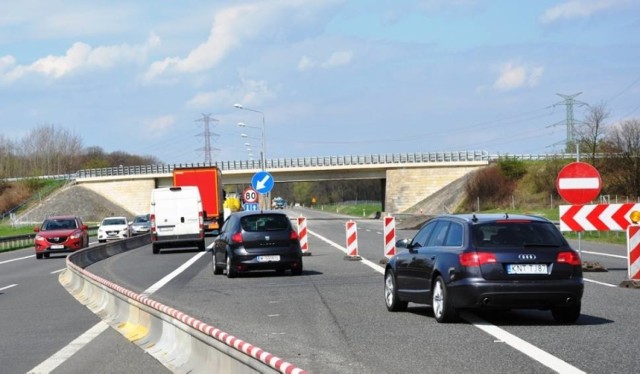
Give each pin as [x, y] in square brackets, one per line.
[321, 161]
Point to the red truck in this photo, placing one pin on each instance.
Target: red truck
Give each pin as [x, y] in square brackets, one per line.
[209, 182]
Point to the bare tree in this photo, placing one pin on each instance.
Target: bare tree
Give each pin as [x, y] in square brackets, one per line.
[623, 167]
[593, 132]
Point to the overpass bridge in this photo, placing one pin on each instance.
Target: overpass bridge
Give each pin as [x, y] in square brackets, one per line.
[406, 178]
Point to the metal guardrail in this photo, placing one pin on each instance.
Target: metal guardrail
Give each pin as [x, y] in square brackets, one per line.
[283, 163]
[8, 243]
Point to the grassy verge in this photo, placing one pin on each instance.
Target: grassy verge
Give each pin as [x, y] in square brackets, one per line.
[355, 210]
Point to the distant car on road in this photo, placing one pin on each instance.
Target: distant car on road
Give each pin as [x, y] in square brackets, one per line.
[279, 203]
[141, 224]
[113, 228]
[257, 240]
[60, 234]
[486, 261]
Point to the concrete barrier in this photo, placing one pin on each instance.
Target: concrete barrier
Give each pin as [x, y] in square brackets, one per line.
[180, 342]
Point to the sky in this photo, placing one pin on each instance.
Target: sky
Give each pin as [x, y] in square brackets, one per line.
[315, 77]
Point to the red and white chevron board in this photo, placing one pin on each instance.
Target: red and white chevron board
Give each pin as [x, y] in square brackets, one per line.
[600, 217]
[633, 245]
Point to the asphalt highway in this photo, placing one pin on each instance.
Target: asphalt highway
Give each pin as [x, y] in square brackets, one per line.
[332, 319]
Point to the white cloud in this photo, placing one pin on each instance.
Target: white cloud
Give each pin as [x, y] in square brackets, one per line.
[249, 93]
[305, 63]
[576, 9]
[160, 124]
[336, 59]
[234, 25]
[6, 62]
[514, 75]
[82, 57]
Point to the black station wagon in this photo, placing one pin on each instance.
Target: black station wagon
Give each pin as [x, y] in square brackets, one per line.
[486, 261]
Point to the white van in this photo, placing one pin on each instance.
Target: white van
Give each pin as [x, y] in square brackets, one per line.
[176, 218]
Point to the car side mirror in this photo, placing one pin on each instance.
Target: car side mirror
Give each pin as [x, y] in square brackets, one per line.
[84, 227]
[36, 229]
[403, 243]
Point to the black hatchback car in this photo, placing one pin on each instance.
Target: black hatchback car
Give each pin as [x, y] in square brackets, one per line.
[496, 261]
[257, 240]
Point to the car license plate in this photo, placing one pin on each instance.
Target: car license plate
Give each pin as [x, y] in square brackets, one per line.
[57, 246]
[268, 258]
[527, 269]
[165, 229]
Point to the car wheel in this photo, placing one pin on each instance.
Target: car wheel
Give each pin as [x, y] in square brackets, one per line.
[394, 304]
[39, 256]
[297, 270]
[201, 246]
[156, 248]
[231, 273]
[442, 309]
[217, 270]
[566, 314]
[101, 241]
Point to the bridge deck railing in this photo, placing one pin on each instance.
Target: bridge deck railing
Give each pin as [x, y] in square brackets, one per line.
[320, 161]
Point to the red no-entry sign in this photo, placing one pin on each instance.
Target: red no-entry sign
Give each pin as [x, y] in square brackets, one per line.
[578, 183]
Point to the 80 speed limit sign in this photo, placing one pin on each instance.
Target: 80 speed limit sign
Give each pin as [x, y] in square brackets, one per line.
[250, 195]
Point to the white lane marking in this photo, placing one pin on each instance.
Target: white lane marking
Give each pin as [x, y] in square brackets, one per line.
[370, 264]
[604, 254]
[65, 353]
[528, 349]
[58, 271]
[159, 284]
[7, 287]
[16, 259]
[512, 340]
[600, 283]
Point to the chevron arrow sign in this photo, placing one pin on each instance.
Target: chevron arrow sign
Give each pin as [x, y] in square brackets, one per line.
[600, 217]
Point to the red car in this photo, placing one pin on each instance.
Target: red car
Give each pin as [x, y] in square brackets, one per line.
[60, 234]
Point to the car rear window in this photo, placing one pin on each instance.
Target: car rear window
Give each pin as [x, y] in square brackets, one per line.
[517, 233]
[265, 222]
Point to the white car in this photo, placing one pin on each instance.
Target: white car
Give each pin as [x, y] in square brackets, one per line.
[112, 228]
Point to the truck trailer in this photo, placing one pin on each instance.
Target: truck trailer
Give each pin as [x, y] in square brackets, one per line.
[209, 181]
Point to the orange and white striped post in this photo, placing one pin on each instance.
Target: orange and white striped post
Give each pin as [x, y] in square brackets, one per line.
[633, 246]
[302, 235]
[352, 240]
[389, 236]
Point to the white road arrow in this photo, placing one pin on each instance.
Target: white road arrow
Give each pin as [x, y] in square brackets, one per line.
[260, 185]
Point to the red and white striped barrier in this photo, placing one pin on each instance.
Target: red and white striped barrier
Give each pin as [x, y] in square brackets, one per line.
[352, 239]
[389, 236]
[633, 246]
[302, 235]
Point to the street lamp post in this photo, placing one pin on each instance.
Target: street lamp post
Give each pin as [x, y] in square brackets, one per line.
[263, 156]
[264, 202]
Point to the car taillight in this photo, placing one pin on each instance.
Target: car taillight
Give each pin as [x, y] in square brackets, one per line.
[236, 238]
[569, 257]
[293, 235]
[471, 259]
[152, 218]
